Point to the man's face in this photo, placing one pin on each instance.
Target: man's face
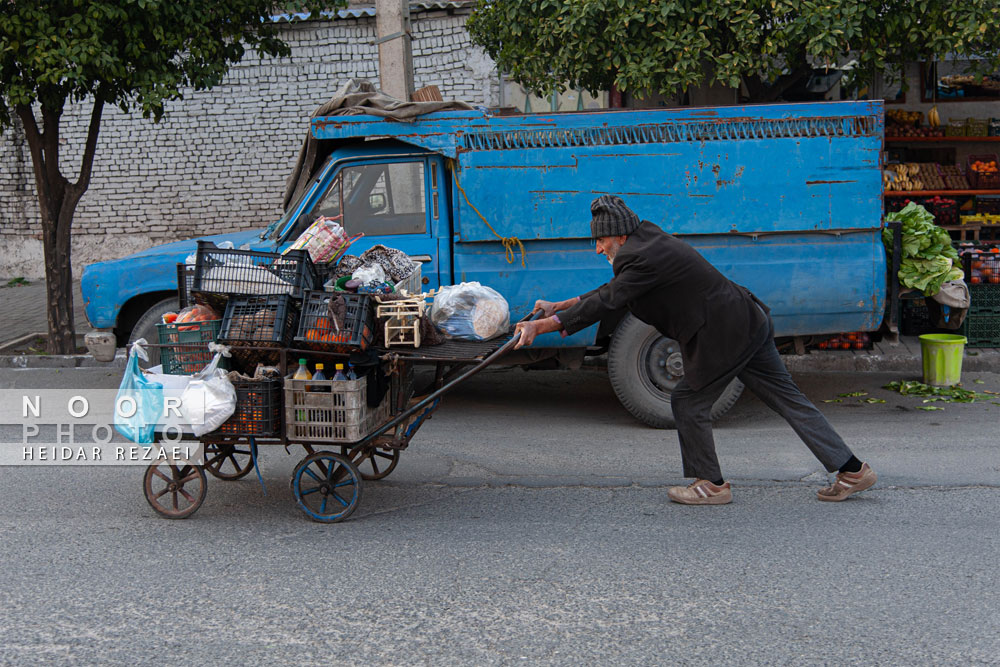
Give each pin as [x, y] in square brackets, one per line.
[609, 246]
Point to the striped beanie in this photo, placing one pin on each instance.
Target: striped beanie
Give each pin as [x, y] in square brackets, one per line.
[611, 217]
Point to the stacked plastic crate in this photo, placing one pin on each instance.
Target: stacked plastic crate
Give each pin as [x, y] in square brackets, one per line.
[982, 273]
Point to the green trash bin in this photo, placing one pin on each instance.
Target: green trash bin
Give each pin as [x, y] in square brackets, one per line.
[942, 357]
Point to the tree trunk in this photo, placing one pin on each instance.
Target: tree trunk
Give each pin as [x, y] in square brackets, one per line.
[58, 199]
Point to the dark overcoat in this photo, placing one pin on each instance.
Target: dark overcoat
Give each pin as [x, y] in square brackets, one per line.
[667, 284]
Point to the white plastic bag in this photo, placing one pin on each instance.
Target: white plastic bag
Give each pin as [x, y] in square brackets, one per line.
[207, 398]
[210, 398]
[470, 311]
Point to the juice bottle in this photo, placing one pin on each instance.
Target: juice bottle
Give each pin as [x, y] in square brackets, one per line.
[302, 373]
[318, 375]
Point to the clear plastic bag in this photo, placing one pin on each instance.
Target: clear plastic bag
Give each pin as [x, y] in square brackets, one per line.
[470, 311]
[139, 397]
[369, 274]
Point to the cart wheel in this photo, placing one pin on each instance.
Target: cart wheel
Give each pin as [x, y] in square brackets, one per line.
[378, 465]
[227, 461]
[326, 486]
[174, 491]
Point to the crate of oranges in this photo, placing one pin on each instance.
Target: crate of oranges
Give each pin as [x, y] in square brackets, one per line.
[258, 409]
[336, 322]
[983, 172]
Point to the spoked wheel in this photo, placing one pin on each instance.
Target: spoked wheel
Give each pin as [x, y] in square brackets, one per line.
[378, 465]
[228, 461]
[174, 491]
[326, 486]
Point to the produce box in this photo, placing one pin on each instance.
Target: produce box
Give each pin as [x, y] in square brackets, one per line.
[977, 127]
[258, 322]
[316, 330]
[220, 272]
[981, 329]
[330, 410]
[953, 178]
[185, 345]
[914, 317]
[258, 409]
[185, 278]
[983, 171]
[859, 340]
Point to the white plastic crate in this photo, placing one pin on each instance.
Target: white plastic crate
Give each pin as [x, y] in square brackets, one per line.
[338, 415]
[413, 283]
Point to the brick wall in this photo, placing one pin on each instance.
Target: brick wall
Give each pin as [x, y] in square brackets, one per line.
[218, 160]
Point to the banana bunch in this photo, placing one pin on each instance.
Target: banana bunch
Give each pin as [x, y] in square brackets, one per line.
[901, 177]
[933, 118]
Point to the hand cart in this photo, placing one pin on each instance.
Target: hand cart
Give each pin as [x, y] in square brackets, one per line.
[327, 485]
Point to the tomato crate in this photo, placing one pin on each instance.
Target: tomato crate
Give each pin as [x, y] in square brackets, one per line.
[184, 348]
[220, 272]
[317, 330]
[979, 179]
[859, 340]
[258, 322]
[981, 329]
[258, 409]
[330, 410]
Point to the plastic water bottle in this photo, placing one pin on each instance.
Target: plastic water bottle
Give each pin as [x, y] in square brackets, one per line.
[351, 375]
[339, 375]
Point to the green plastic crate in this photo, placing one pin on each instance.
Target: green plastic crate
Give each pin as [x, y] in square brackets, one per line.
[981, 329]
[185, 346]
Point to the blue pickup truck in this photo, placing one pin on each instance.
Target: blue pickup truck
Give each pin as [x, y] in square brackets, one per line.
[785, 199]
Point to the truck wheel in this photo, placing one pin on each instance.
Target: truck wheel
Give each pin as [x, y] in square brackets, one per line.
[146, 328]
[645, 366]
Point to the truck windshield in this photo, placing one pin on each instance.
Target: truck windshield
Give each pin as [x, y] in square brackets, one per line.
[376, 199]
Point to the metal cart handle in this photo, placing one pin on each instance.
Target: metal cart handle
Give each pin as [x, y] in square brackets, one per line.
[427, 400]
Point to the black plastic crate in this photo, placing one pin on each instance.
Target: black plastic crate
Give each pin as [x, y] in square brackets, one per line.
[184, 348]
[914, 318]
[981, 329]
[316, 327]
[259, 405]
[226, 271]
[258, 322]
[185, 278]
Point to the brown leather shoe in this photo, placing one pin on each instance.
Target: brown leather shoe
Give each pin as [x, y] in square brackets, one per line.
[848, 483]
[701, 492]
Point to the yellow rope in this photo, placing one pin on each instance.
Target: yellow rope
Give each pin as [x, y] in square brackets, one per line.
[508, 242]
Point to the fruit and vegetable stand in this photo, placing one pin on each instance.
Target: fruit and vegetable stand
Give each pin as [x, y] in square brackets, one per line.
[352, 431]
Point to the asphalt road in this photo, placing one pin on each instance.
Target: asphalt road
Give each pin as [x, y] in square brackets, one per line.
[528, 524]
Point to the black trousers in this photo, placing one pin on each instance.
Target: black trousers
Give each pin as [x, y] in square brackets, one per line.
[763, 372]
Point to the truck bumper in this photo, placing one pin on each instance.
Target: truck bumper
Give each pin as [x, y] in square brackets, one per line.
[101, 344]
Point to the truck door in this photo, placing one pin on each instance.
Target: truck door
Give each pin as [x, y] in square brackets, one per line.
[392, 201]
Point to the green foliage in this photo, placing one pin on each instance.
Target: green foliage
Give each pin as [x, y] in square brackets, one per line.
[928, 258]
[667, 45]
[134, 54]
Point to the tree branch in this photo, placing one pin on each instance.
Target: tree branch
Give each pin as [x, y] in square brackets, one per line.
[83, 182]
[36, 140]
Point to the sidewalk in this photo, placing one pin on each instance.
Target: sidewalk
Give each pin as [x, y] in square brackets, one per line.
[22, 312]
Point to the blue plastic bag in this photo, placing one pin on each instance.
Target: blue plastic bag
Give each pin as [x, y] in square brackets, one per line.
[139, 403]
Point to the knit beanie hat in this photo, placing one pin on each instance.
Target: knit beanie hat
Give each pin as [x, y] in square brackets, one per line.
[611, 217]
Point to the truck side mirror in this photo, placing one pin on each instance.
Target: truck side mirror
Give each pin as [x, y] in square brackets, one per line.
[376, 203]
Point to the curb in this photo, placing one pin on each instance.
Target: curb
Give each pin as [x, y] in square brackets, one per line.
[33, 361]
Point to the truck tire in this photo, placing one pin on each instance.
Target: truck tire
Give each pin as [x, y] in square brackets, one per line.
[644, 366]
[145, 327]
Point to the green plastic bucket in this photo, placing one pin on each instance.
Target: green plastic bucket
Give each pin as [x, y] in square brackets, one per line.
[942, 357]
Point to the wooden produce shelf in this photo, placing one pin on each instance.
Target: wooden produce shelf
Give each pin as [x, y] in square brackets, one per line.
[938, 193]
[937, 140]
